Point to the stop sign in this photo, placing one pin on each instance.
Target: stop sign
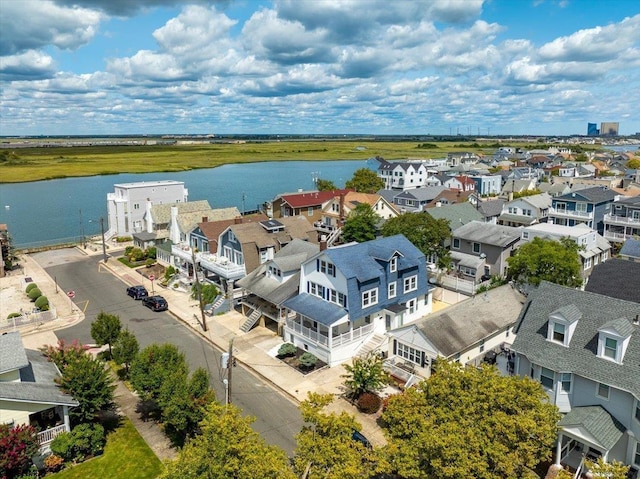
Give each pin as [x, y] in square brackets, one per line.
[71, 294]
[151, 277]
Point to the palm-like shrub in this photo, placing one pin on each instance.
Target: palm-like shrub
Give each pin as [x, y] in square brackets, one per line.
[29, 287]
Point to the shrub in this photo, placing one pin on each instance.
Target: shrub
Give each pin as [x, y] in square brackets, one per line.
[308, 360]
[29, 287]
[169, 272]
[13, 315]
[151, 252]
[42, 303]
[53, 463]
[287, 350]
[136, 254]
[124, 239]
[150, 262]
[85, 440]
[369, 403]
[34, 294]
[128, 250]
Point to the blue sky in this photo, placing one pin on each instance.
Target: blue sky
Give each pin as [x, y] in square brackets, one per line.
[540, 67]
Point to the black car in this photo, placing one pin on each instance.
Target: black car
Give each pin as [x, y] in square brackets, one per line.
[359, 437]
[137, 292]
[155, 303]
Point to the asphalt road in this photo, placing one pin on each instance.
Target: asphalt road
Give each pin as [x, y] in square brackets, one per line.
[96, 290]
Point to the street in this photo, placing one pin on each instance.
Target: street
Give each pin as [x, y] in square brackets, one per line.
[97, 289]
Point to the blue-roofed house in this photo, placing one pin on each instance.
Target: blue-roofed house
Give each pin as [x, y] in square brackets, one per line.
[351, 294]
[587, 206]
[631, 250]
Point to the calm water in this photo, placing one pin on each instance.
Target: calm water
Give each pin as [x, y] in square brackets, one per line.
[56, 211]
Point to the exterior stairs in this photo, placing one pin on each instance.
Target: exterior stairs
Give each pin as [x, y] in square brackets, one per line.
[372, 345]
[251, 321]
[333, 237]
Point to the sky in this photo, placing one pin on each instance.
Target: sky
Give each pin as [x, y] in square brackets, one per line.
[397, 67]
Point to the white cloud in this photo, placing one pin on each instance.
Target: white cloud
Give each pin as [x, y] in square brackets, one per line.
[28, 65]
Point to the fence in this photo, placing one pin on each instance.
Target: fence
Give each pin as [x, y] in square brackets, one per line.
[454, 283]
[28, 319]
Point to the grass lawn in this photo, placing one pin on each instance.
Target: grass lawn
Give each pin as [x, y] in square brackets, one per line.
[126, 456]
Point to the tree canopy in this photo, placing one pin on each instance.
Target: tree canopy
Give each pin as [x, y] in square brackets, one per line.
[153, 366]
[361, 224]
[325, 185]
[469, 422]
[125, 349]
[365, 374]
[548, 260]
[365, 180]
[425, 233]
[106, 329]
[227, 448]
[18, 444]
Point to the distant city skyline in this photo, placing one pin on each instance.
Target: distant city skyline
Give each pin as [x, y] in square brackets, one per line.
[423, 67]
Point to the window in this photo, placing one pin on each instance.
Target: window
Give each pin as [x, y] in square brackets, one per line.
[393, 264]
[525, 235]
[610, 348]
[327, 268]
[587, 263]
[476, 247]
[392, 290]
[370, 297]
[482, 346]
[565, 381]
[547, 378]
[231, 236]
[412, 306]
[636, 458]
[558, 332]
[638, 409]
[602, 391]
[582, 207]
[410, 284]
[310, 211]
[136, 206]
[456, 243]
[408, 353]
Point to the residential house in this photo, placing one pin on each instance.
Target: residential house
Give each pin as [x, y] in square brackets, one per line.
[303, 203]
[584, 348]
[622, 221]
[594, 249]
[518, 186]
[416, 199]
[464, 332]
[588, 206]
[242, 247]
[617, 278]
[554, 189]
[460, 183]
[456, 214]
[351, 294]
[490, 209]
[126, 206]
[402, 175]
[28, 393]
[266, 288]
[526, 210]
[630, 250]
[450, 197]
[481, 249]
[456, 158]
[487, 184]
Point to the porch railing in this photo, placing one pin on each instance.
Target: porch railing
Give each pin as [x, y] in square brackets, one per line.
[308, 332]
[352, 335]
[50, 434]
[621, 220]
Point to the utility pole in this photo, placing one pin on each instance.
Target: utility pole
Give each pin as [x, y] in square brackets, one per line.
[198, 289]
[104, 246]
[230, 370]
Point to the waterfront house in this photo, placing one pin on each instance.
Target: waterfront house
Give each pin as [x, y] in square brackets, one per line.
[584, 348]
[464, 332]
[302, 203]
[622, 221]
[127, 205]
[587, 205]
[526, 210]
[350, 295]
[28, 393]
[402, 175]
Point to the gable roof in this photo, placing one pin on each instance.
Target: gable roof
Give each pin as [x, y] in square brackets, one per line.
[594, 194]
[631, 248]
[541, 201]
[488, 233]
[597, 422]
[616, 278]
[464, 324]
[213, 229]
[12, 355]
[311, 198]
[422, 194]
[457, 214]
[294, 227]
[492, 207]
[579, 357]
[161, 213]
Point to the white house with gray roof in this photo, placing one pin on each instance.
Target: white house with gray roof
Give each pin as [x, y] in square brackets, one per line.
[526, 211]
[28, 393]
[584, 348]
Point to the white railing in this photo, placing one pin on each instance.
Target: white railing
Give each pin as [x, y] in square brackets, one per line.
[616, 236]
[50, 434]
[221, 265]
[459, 284]
[183, 252]
[580, 214]
[351, 335]
[340, 340]
[621, 220]
[308, 332]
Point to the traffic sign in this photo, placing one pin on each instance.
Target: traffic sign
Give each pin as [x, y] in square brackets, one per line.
[71, 294]
[151, 277]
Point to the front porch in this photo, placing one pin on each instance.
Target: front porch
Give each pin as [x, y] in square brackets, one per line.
[50, 423]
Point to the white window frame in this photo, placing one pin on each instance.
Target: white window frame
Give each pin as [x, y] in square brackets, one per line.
[392, 290]
[587, 263]
[606, 348]
[542, 375]
[410, 284]
[231, 237]
[455, 244]
[408, 353]
[566, 378]
[637, 413]
[598, 385]
[476, 247]
[393, 264]
[636, 456]
[564, 333]
[369, 297]
[310, 211]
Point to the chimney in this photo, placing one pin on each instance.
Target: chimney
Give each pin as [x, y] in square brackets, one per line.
[205, 219]
[323, 242]
[636, 320]
[237, 220]
[341, 209]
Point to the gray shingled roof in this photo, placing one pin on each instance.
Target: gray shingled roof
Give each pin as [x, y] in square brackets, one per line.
[621, 325]
[617, 278]
[457, 214]
[492, 207]
[488, 233]
[12, 355]
[580, 357]
[596, 421]
[631, 248]
[161, 214]
[595, 194]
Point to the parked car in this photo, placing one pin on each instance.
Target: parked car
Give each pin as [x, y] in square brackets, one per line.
[361, 438]
[155, 303]
[137, 292]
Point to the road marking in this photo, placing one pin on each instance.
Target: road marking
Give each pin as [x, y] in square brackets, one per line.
[86, 305]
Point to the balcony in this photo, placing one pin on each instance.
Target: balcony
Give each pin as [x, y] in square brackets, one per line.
[320, 226]
[221, 265]
[621, 220]
[184, 252]
[620, 237]
[321, 337]
[564, 213]
[48, 435]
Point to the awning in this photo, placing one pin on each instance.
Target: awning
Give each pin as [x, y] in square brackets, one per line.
[323, 312]
[593, 423]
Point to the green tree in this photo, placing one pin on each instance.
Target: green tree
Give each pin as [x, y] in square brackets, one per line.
[18, 444]
[63, 354]
[469, 422]
[548, 260]
[634, 163]
[325, 185]
[365, 374]
[227, 448]
[361, 224]
[125, 349]
[610, 470]
[153, 366]
[106, 329]
[325, 446]
[425, 233]
[87, 380]
[365, 180]
[209, 292]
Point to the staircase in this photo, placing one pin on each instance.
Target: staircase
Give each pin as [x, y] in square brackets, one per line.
[333, 237]
[373, 344]
[251, 321]
[210, 308]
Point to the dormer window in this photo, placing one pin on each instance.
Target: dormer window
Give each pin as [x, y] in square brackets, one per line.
[562, 324]
[393, 264]
[610, 348]
[613, 339]
[559, 332]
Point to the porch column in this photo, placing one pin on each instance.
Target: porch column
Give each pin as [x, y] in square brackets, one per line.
[67, 422]
[559, 449]
[605, 456]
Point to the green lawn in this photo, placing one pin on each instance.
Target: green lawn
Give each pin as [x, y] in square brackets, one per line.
[126, 456]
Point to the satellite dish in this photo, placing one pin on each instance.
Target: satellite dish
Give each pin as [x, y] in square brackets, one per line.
[483, 256]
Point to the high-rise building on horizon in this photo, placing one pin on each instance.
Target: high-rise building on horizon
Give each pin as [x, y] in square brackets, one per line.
[592, 129]
[609, 128]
